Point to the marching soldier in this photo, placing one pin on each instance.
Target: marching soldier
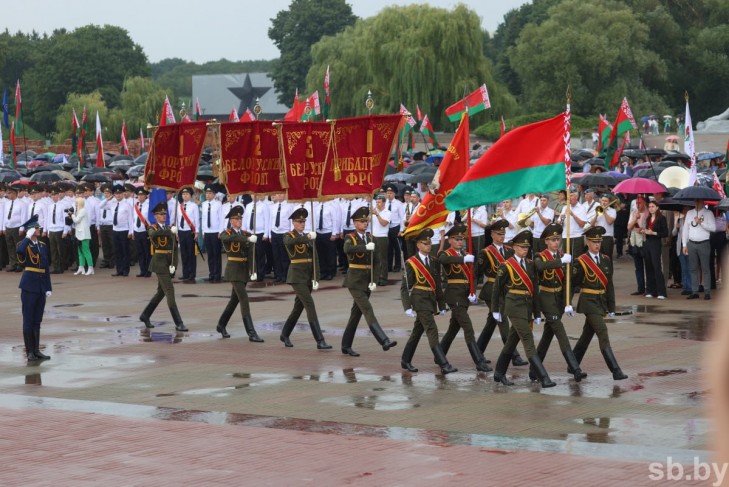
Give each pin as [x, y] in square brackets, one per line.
[422, 298]
[302, 273]
[516, 295]
[237, 246]
[593, 272]
[164, 262]
[549, 263]
[489, 261]
[458, 278]
[360, 250]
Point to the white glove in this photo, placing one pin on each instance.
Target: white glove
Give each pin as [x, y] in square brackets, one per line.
[312, 235]
[472, 298]
[442, 312]
[537, 321]
[253, 238]
[468, 259]
[410, 313]
[172, 269]
[372, 286]
[254, 277]
[611, 315]
[566, 259]
[569, 311]
[370, 246]
[48, 294]
[173, 229]
[30, 232]
[314, 285]
[497, 316]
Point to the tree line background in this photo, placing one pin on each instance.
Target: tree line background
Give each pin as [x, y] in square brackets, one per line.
[650, 51]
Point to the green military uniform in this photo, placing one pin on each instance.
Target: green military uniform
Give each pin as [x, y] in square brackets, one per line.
[516, 295]
[237, 247]
[163, 258]
[422, 293]
[552, 302]
[489, 260]
[358, 278]
[302, 273]
[458, 278]
[597, 298]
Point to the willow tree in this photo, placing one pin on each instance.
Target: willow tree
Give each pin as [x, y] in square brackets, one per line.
[413, 55]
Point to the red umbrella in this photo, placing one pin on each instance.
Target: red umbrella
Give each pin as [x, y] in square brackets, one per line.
[639, 185]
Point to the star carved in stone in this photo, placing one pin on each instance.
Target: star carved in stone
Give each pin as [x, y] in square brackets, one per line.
[248, 93]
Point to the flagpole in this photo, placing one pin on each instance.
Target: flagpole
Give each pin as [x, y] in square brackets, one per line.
[645, 148]
[568, 172]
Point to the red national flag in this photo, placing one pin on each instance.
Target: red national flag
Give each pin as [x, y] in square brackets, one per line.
[167, 116]
[473, 103]
[418, 113]
[233, 117]
[326, 84]
[19, 125]
[297, 110]
[624, 122]
[12, 144]
[141, 141]
[248, 116]
[410, 120]
[124, 144]
[432, 210]
[314, 103]
[718, 187]
[198, 112]
[603, 129]
[503, 127]
[356, 164]
[174, 155]
[82, 138]
[99, 144]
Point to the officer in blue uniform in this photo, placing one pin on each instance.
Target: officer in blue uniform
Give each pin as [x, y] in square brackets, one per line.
[35, 287]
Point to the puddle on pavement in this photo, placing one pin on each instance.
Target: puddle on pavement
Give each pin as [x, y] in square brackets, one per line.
[687, 325]
[690, 433]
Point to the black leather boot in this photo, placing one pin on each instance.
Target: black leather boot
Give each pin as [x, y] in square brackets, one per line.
[380, 336]
[612, 363]
[321, 344]
[179, 326]
[224, 319]
[478, 358]
[541, 372]
[517, 361]
[147, 313]
[251, 330]
[502, 365]
[30, 347]
[441, 360]
[286, 332]
[569, 357]
[36, 349]
[407, 356]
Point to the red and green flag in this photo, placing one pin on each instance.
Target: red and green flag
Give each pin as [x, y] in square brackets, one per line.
[198, 112]
[12, 145]
[233, 117]
[124, 143]
[82, 137]
[327, 107]
[313, 106]
[74, 134]
[167, 115]
[449, 173]
[603, 129]
[426, 128]
[474, 103]
[297, 109]
[407, 130]
[99, 144]
[527, 159]
[141, 142]
[19, 128]
[624, 122]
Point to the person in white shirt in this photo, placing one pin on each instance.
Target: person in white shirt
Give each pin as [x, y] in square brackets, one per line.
[92, 209]
[543, 216]
[479, 222]
[140, 225]
[512, 216]
[56, 229]
[606, 220]
[327, 226]
[394, 206]
[576, 227]
[380, 230]
[257, 221]
[105, 229]
[15, 215]
[122, 216]
[528, 203]
[38, 206]
[589, 205]
[188, 225]
[211, 219]
[3, 246]
[699, 224]
[279, 225]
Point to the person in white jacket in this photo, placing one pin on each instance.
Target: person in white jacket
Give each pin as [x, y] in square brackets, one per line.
[83, 234]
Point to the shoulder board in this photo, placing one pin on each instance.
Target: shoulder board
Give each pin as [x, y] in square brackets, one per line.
[228, 231]
[354, 239]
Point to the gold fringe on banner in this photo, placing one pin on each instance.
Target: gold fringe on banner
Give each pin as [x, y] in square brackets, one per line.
[282, 157]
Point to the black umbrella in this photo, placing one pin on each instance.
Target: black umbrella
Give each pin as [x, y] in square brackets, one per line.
[676, 156]
[122, 157]
[633, 153]
[417, 167]
[96, 178]
[48, 167]
[655, 152]
[668, 163]
[649, 173]
[424, 177]
[598, 179]
[390, 170]
[135, 171]
[723, 205]
[45, 177]
[142, 159]
[697, 193]
[670, 204]
[9, 176]
[121, 164]
[205, 173]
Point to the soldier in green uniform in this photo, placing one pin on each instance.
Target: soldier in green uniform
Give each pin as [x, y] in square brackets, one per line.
[458, 278]
[360, 250]
[593, 272]
[164, 262]
[237, 246]
[516, 295]
[422, 297]
[489, 260]
[301, 276]
[550, 264]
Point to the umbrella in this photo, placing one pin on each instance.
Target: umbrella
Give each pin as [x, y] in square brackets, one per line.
[96, 178]
[122, 157]
[135, 171]
[58, 158]
[45, 177]
[400, 176]
[668, 163]
[655, 152]
[434, 159]
[49, 167]
[9, 176]
[388, 169]
[639, 185]
[672, 138]
[697, 193]
[723, 205]
[29, 153]
[634, 153]
[705, 156]
[65, 175]
[205, 173]
[676, 156]
[422, 177]
[600, 179]
[122, 163]
[142, 159]
[649, 173]
[417, 167]
[671, 204]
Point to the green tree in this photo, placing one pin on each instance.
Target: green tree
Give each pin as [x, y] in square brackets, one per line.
[412, 55]
[295, 30]
[93, 102]
[91, 58]
[18, 53]
[596, 47]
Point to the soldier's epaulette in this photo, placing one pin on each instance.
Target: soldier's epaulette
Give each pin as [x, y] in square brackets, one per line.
[292, 235]
[40, 242]
[155, 226]
[354, 239]
[604, 256]
[228, 231]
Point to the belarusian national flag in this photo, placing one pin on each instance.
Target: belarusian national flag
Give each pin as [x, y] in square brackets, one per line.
[297, 109]
[624, 122]
[99, 143]
[167, 116]
[248, 116]
[233, 117]
[528, 159]
[474, 103]
[418, 113]
[427, 129]
[327, 101]
[141, 142]
[603, 129]
[74, 133]
[449, 173]
[312, 103]
[5, 108]
[198, 112]
[18, 110]
[503, 127]
[82, 139]
[12, 145]
[718, 187]
[688, 144]
[124, 144]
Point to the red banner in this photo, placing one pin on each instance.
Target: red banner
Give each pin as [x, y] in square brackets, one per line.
[174, 155]
[357, 160]
[304, 146]
[250, 160]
